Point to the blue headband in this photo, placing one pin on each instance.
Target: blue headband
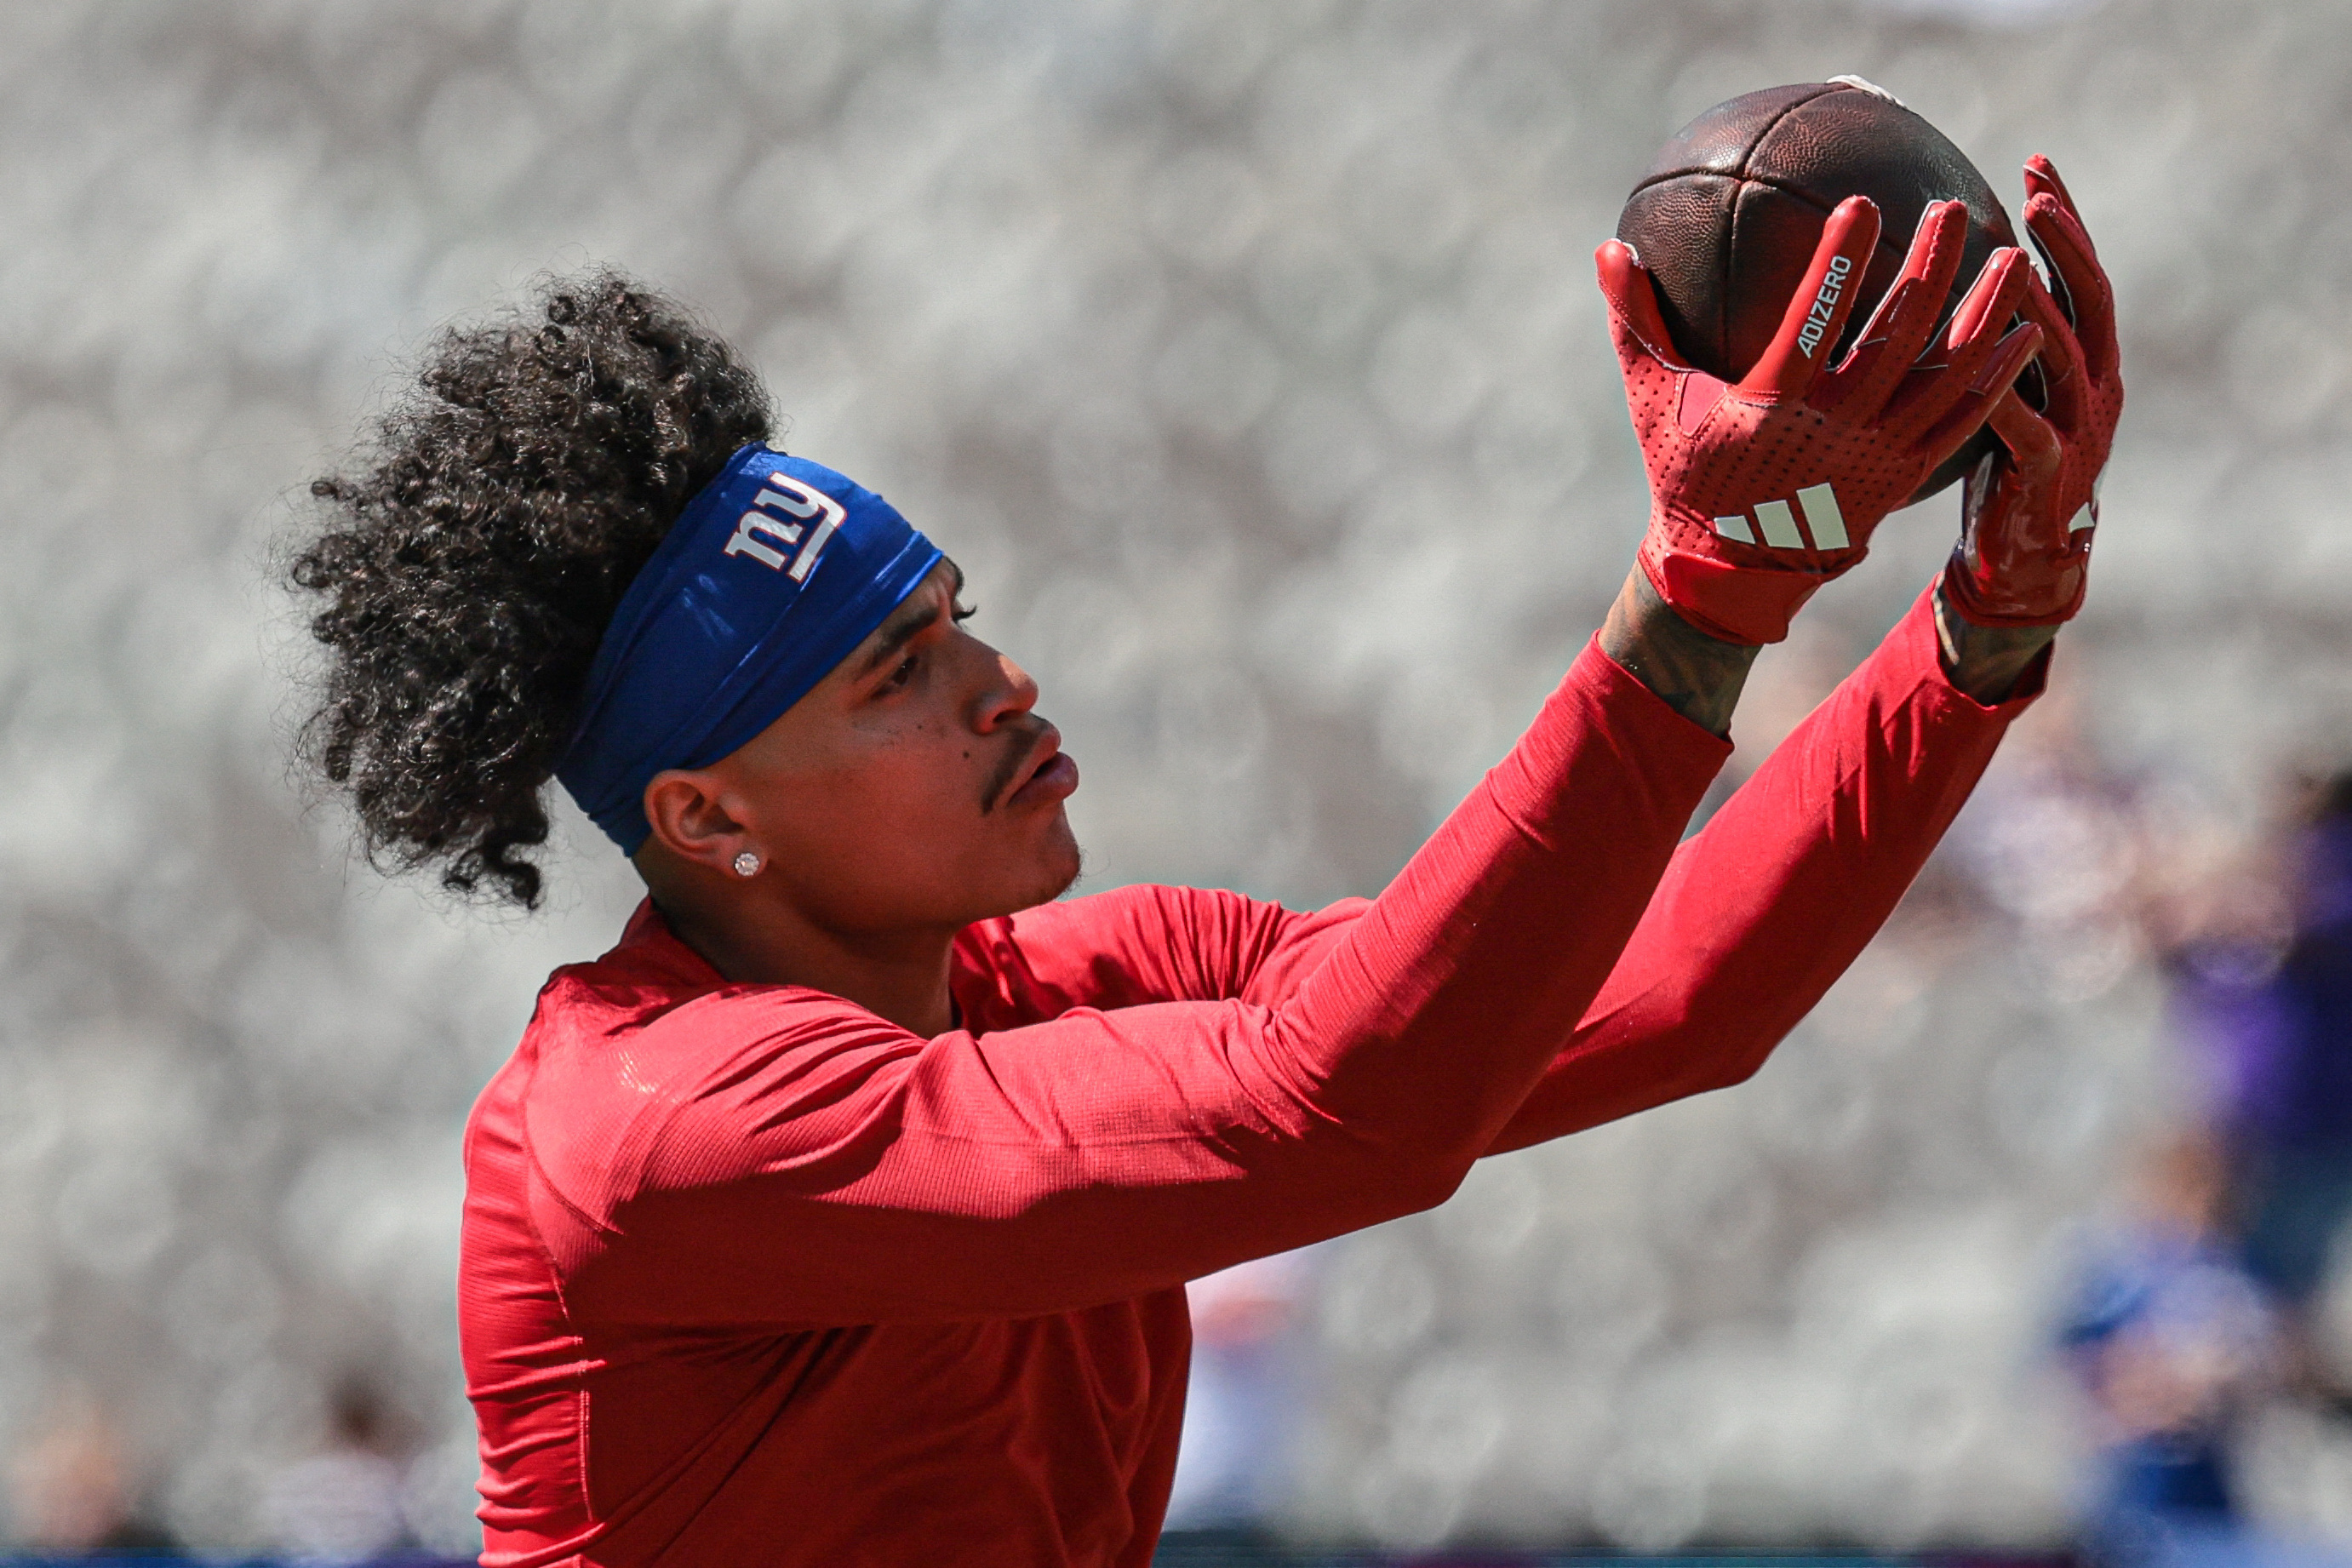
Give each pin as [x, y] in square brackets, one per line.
[767, 580]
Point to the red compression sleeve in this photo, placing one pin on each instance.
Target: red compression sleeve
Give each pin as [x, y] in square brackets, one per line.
[1762, 911]
[823, 1167]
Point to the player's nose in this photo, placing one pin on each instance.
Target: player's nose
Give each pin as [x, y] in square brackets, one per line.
[1010, 693]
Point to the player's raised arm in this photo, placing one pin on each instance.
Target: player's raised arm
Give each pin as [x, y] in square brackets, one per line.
[1762, 911]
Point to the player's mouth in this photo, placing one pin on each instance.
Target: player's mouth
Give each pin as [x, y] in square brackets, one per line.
[1040, 774]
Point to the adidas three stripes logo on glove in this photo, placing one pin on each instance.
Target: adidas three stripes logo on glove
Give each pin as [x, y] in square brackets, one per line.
[1823, 519]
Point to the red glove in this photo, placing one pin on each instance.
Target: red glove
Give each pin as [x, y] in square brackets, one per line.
[1734, 469]
[2027, 515]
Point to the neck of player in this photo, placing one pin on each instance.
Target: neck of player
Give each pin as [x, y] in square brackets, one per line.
[751, 934]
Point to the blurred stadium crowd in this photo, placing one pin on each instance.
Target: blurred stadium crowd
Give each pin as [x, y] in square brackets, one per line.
[1246, 356]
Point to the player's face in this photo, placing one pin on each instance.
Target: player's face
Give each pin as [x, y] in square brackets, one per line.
[915, 787]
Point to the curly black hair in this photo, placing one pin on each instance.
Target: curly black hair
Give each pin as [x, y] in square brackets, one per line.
[477, 546]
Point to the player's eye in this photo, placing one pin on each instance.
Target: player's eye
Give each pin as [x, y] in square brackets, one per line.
[961, 613]
[903, 674]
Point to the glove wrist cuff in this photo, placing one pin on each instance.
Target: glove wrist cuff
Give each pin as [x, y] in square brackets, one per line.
[1745, 604]
[1968, 599]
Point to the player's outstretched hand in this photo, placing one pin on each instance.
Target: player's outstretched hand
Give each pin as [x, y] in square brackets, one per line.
[2027, 514]
[1763, 492]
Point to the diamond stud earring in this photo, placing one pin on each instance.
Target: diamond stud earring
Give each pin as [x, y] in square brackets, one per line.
[747, 864]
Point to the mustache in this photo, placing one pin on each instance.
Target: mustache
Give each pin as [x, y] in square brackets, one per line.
[1000, 781]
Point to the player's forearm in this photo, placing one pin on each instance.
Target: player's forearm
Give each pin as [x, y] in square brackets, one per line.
[1431, 1017]
[1987, 662]
[1697, 676]
[1763, 910]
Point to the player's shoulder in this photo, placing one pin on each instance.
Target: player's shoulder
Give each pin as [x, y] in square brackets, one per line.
[655, 1001]
[608, 1084]
[657, 1045]
[650, 1025]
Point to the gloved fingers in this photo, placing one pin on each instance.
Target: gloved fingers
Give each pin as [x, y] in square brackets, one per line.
[2041, 179]
[2065, 246]
[1906, 314]
[1634, 303]
[2035, 450]
[1868, 376]
[1956, 368]
[2076, 274]
[1990, 301]
[1817, 313]
[2064, 374]
[1965, 412]
[1906, 317]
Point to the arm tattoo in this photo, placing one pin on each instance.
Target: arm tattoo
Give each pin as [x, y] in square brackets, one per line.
[1987, 663]
[1696, 674]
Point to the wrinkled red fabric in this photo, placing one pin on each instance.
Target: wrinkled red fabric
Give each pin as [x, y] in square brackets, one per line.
[749, 1274]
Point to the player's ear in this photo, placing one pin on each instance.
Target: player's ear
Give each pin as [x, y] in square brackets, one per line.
[687, 812]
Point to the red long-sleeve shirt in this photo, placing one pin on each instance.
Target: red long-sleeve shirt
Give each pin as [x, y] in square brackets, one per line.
[751, 1275]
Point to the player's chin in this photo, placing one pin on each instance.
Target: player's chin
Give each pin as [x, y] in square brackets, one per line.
[1050, 862]
[1038, 870]
[1060, 860]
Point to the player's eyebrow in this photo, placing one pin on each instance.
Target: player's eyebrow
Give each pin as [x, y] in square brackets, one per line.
[906, 623]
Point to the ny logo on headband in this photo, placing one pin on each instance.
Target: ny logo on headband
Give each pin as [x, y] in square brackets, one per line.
[802, 501]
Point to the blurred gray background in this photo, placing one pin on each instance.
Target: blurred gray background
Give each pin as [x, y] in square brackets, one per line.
[1246, 355]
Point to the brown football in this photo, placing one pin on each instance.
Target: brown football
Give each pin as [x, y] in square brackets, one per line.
[1730, 211]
